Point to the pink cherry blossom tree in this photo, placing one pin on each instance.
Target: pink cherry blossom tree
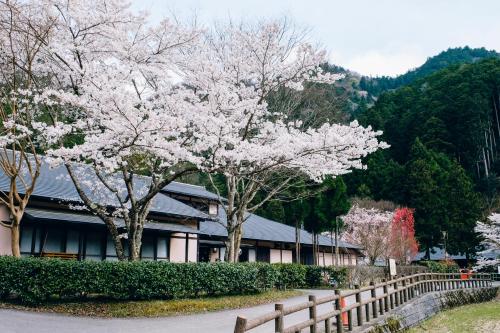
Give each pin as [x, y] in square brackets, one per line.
[368, 224]
[236, 69]
[490, 233]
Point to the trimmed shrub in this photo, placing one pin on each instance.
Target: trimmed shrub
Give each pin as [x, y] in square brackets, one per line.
[314, 276]
[291, 275]
[444, 266]
[336, 276]
[34, 280]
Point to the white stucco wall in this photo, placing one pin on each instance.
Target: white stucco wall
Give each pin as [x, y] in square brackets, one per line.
[178, 247]
[213, 208]
[275, 256]
[214, 255]
[5, 237]
[193, 248]
[252, 255]
[287, 257]
[281, 256]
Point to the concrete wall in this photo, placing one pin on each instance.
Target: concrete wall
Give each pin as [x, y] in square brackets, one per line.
[5, 237]
[417, 310]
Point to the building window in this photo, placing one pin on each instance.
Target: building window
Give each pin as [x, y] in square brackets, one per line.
[162, 249]
[148, 248]
[94, 246]
[263, 254]
[110, 249]
[26, 239]
[72, 241]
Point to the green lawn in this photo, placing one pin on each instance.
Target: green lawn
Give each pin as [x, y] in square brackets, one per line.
[479, 318]
[158, 308]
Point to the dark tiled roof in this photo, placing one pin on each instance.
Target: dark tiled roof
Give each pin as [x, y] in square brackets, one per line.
[75, 217]
[190, 190]
[438, 254]
[55, 184]
[260, 228]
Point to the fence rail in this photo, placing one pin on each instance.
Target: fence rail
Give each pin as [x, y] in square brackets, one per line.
[395, 293]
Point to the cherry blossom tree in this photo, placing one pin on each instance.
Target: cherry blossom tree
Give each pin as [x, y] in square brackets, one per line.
[114, 111]
[490, 233]
[368, 224]
[21, 25]
[403, 245]
[237, 68]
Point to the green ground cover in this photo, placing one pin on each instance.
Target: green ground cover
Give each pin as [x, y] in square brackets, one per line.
[479, 318]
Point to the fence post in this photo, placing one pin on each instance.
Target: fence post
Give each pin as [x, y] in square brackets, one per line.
[396, 294]
[338, 307]
[241, 324]
[349, 320]
[404, 291]
[312, 313]
[374, 301]
[386, 298]
[359, 313]
[411, 293]
[328, 325]
[278, 322]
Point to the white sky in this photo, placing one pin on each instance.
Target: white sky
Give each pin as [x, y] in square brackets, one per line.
[372, 37]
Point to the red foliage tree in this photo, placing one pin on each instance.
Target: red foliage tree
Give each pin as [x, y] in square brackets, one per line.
[403, 245]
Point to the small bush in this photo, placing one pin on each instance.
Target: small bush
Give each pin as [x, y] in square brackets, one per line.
[314, 276]
[444, 266]
[291, 275]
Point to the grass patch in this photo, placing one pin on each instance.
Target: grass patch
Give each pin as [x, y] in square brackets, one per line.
[157, 308]
[479, 318]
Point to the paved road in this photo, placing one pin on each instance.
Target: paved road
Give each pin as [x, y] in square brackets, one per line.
[13, 321]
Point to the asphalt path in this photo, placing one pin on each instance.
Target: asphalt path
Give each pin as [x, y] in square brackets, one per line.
[14, 321]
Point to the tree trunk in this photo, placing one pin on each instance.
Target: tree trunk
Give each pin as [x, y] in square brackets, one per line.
[120, 253]
[332, 249]
[14, 232]
[237, 243]
[336, 244]
[229, 254]
[297, 243]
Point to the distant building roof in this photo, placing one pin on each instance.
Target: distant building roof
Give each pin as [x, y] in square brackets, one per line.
[437, 253]
[260, 228]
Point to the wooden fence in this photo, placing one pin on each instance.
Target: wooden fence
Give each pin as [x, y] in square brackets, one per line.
[342, 317]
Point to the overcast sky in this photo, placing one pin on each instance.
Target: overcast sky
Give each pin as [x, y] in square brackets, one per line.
[372, 37]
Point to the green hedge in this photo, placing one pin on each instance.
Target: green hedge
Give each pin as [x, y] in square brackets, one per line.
[34, 280]
[448, 266]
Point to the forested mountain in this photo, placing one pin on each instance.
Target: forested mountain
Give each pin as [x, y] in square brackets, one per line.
[374, 86]
[443, 130]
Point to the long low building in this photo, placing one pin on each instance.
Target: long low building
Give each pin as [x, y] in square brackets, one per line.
[185, 224]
